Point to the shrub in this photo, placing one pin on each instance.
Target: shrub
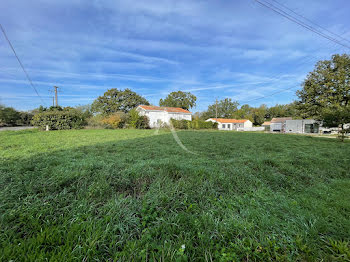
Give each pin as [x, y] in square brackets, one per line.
[9, 116]
[119, 120]
[59, 120]
[115, 120]
[25, 119]
[181, 124]
[135, 120]
[194, 124]
[95, 121]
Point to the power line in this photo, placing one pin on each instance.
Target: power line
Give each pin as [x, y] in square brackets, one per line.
[310, 21]
[336, 42]
[309, 56]
[275, 93]
[278, 77]
[20, 63]
[299, 22]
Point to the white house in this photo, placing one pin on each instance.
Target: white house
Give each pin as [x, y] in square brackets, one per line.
[159, 115]
[231, 124]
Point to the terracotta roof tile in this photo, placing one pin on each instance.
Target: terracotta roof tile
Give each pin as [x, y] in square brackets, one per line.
[167, 109]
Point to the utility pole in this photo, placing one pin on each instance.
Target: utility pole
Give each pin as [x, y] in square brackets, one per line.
[216, 109]
[56, 95]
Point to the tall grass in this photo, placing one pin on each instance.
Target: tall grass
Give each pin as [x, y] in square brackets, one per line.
[130, 195]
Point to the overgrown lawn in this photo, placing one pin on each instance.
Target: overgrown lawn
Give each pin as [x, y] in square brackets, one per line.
[127, 195]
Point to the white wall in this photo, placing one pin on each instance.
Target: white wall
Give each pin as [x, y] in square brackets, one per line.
[178, 116]
[248, 124]
[276, 126]
[157, 117]
[298, 126]
[255, 128]
[232, 126]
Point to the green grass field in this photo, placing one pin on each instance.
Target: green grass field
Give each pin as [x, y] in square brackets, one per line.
[131, 195]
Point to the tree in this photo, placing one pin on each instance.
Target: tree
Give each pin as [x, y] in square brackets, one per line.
[255, 114]
[185, 100]
[276, 111]
[9, 116]
[259, 115]
[85, 110]
[326, 92]
[287, 110]
[115, 100]
[225, 108]
[245, 112]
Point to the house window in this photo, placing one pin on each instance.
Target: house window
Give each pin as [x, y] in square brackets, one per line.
[223, 125]
[228, 126]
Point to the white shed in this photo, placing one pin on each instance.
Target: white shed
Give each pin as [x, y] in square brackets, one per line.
[231, 124]
[159, 115]
[278, 124]
[302, 126]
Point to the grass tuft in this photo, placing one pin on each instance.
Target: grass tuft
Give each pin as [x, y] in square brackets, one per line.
[131, 195]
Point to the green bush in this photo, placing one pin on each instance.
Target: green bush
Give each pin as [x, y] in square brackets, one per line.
[59, 120]
[9, 116]
[115, 120]
[119, 120]
[25, 119]
[194, 124]
[96, 121]
[135, 120]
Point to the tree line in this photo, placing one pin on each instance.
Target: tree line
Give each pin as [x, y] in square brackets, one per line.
[11, 117]
[324, 96]
[227, 108]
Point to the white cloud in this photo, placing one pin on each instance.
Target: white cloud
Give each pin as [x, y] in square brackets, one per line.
[207, 47]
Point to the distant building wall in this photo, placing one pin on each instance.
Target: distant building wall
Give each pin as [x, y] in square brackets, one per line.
[256, 128]
[301, 126]
[276, 127]
[248, 124]
[231, 125]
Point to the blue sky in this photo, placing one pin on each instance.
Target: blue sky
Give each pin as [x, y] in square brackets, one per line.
[214, 49]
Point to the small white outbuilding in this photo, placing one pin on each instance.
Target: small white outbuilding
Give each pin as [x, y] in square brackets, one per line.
[303, 126]
[231, 124]
[159, 115]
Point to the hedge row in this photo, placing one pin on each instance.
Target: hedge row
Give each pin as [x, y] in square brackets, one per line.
[194, 124]
[59, 120]
[120, 120]
[11, 117]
